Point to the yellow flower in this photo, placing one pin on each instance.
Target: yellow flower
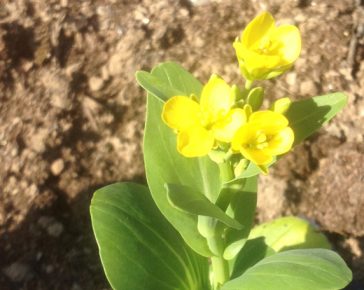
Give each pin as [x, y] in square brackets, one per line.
[199, 125]
[265, 50]
[266, 134]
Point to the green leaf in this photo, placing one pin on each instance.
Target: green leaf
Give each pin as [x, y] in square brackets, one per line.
[281, 234]
[290, 233]
[191, 201]
[252, 252]
[307, 116]
[153, 85]
[242, 207]
[169, 79]
[139, 249]
[164, 164]
[314, 269]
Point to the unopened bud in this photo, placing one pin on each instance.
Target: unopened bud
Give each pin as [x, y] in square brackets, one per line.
[255, 98]
[281, 105]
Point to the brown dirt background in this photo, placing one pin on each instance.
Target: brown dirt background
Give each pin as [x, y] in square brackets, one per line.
[72, 117]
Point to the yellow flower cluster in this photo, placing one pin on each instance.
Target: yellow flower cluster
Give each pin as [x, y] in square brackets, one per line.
[264, 50]
[199, 125]
[258, 136]
[215, 118]
[266, 134]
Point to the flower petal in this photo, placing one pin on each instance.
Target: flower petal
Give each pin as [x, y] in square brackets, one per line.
[259, 157]
[195, 142]
[244, 135]
[244, 141]
[257, 29]
[281, 142]
[260, 61]
[181, 112]
[239, 49]
[216, 99]
[268, 121]
[255, 65]
[288, 40]
[225, 129]
[265, 50]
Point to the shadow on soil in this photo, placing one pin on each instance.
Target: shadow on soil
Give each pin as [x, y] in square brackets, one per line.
[53, 248]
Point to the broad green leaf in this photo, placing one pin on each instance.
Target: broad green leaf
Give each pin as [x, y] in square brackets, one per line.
[164, 164]
[242, 209]
[307, 116]
[290, 233]
[191, 201]
[156, 87]
[169, 79]
[234, 248]
[252, 252]
[313, 269]
[139, 249]
[281, 234]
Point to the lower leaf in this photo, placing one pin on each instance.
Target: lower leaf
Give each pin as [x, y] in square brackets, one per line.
[314, 269]
[139, 249]
[290, 233]
[281, 234]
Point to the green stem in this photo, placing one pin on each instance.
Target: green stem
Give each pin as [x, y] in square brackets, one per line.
[226, 174]
[248, 85]
[220, 266]
[226, 171]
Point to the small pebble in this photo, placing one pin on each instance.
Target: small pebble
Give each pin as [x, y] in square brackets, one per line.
[55, 229]
[291, 78]
[57, 167]
[37, 140]
[95, 83]
[308, 87]
[18, 272]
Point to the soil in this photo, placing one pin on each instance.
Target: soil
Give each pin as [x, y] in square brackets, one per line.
[72, 117]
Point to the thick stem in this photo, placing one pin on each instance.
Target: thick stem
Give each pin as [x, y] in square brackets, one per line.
[220, 266]
[248, 85]
[226, 171]
[226, 174]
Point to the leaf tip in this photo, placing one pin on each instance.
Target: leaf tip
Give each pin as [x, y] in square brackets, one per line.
[139, 74]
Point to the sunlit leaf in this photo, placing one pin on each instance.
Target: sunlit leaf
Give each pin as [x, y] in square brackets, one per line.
[191, 201]
[314, 269]
[290, 233]
[139, 249]
[281, 234]
[169, 79]
[164, 164]
[307, 116]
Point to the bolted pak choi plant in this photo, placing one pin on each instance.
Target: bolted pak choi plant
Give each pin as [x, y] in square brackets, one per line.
[205, 146]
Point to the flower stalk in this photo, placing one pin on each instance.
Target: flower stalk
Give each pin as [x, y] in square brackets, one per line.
[220, 266]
